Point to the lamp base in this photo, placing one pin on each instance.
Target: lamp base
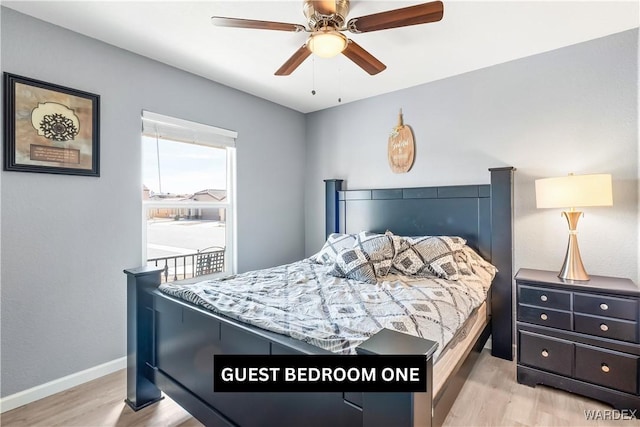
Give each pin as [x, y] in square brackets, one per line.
[572, 268]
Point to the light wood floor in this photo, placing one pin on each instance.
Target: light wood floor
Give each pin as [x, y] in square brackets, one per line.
[490, 397]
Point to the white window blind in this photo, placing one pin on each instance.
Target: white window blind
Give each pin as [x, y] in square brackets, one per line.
[160, 126]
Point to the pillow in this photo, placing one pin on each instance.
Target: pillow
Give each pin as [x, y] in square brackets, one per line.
[464, 266]
[353, 263]
[379, 248]
[429, 255]
[469, 263]
[335, 242]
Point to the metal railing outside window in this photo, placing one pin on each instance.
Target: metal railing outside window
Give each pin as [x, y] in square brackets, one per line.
[207, 261]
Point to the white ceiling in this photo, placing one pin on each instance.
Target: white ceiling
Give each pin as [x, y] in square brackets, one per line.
[472, 35]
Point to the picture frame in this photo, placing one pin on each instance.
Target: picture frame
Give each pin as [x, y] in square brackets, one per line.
[50, 128]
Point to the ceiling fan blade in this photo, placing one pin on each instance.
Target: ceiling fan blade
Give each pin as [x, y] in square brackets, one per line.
[324, 7]
[294, 62]
[221, 21]
[404, 17]
[363, 59]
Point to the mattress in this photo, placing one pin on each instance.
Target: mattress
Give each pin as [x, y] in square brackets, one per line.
[458, 347]
[303, 301]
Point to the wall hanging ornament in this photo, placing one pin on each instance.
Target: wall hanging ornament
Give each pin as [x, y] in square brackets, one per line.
[50, 128]
[401, 147]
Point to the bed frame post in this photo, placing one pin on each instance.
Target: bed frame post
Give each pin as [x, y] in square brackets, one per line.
[332, 186]
[502, 258]
[141, 391]
[399, 409]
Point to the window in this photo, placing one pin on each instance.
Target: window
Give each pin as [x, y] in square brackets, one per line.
[188, 197]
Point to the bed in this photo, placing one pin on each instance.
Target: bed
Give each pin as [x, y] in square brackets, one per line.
[171, 342]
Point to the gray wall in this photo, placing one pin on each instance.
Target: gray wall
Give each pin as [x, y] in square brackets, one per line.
[569, 110]
[67, 238]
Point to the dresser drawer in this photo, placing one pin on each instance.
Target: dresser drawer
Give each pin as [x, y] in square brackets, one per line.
[606, 327]
[607, 368]
[542, 297]
[545, 353]
[544, 317]
[619, 308]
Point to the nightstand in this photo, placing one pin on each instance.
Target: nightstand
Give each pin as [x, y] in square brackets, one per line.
[582, 337]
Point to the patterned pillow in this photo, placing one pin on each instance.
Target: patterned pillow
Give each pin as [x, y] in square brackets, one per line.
[430, 255]
[353, 263]
[335, 242]
[470, 263]
[379, 248]
[464, 265]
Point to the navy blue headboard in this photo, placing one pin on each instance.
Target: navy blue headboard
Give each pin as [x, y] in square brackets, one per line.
[481, 214]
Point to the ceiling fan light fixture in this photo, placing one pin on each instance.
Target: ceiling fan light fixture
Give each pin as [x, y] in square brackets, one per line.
[327, 43]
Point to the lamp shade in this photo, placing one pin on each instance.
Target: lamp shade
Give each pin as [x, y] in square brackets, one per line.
[574, 191]
[327, 43]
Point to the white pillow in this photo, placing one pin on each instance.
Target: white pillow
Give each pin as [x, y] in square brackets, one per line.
[334, 244]
[354, 264]
[470, 263]
[429, 255]
[379, 248]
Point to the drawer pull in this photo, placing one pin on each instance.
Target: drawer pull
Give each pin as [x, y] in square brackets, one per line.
[543, 316]
[545, 353]
[604, 307]
[543, 298]
[604, 327]
[605, 368]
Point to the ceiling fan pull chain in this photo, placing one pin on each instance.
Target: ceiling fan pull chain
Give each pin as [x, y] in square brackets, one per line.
[339, 84]
[313, 76]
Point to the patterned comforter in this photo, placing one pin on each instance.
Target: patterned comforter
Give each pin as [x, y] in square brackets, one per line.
[302, 301]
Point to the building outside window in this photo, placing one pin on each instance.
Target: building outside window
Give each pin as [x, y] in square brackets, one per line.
[188, 197]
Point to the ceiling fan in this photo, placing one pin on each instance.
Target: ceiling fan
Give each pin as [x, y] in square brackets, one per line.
[326, 21]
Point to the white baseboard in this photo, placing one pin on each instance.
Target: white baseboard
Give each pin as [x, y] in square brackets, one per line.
[61, 384]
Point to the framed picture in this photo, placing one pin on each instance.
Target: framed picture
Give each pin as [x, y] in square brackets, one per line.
[50, 128]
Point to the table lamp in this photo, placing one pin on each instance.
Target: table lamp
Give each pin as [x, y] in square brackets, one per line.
[574, 191]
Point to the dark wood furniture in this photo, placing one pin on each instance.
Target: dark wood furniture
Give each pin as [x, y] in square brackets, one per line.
[171, 343]
[581, 337]
[383, 409]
